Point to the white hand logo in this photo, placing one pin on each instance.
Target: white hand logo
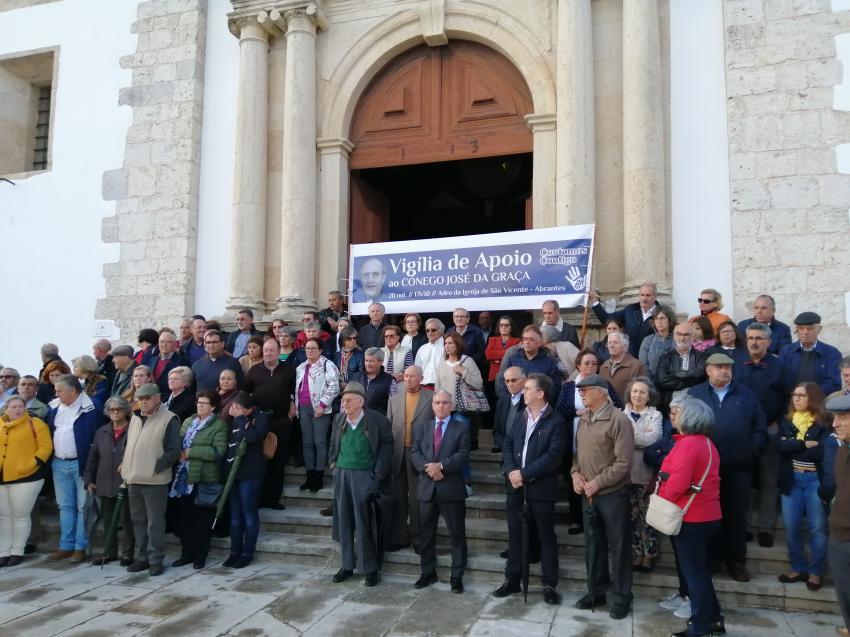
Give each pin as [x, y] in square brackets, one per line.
[575, 278]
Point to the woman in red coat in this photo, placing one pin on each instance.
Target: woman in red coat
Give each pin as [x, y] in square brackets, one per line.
[690, 476]
[498, 345]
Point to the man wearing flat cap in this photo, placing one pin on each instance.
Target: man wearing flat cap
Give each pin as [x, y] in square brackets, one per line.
[740, 434]
[122, 359]
[153, 446]
[839, 518]
[809, 359]
[602, 463]
[360, 456]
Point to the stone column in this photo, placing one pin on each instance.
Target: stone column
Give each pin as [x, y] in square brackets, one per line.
[644, 201]
[333, 214]
[298, 215]
[543, 166]
[576, 168]
[248, 222]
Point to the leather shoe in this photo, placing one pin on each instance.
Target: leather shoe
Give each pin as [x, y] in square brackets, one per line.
[342, 575]
[739, 572]
[230, 561]
[103, 560]
[718, 627]
[765, 539]
[457, 585]
[504, 554]
[589, 600]
[156, 570]
[372, 579]
[77, 557]
[814, 586]
[425, 580]
[126, 561]
[14, 560]
[551, 596]
[138, 566]
[59, 555]
[326, 512]
[4, 561]
[575, 530]
[276, 506]
[29, 549]
[619, 610]
[397, 547]
[508, 587]
[793, 579]
[183, 561]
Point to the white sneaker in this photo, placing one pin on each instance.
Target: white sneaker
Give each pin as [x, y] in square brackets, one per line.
[673, 602]
[684, 611]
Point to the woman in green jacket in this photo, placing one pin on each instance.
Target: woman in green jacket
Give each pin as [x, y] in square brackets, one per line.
[198, 481]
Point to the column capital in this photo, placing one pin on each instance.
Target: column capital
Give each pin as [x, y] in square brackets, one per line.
[299, 15]
[539, 122]
[333, 145]
[247, 27]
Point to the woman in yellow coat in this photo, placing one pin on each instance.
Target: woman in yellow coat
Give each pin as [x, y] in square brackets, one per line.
[25, 447]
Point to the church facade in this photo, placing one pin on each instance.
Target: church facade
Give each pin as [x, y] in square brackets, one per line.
[207, 156]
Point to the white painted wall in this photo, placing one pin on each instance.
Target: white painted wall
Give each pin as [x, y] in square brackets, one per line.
[702, 238]
[218, 138]
[50, 224]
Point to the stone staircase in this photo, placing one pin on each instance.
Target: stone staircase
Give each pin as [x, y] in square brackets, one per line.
[300, 534]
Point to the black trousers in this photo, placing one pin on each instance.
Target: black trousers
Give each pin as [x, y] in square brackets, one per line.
[276, 467]
[608, 538]
[692, 558]
[839, 564]
[541, 527]
[195, 529]
[730, 544]
[454, 513]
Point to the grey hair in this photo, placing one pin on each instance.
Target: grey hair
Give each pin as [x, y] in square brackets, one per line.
[85, 363]
[50, 349]
[119, 402]
[677, 400]
[760, 327]
[375, 352]
[380, 305]
[845, 363]
[768, 298]
[441, 392]
[312, 325]
[624, 338]
[437, 323]
[103, 345]
[185, 372]
[69, 381]
[649, 284]
[553, 303]
[695, 417]
[11, 371]
[550, 333]
[415, 369]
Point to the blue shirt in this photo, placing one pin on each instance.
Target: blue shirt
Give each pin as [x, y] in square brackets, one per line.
[241, 344]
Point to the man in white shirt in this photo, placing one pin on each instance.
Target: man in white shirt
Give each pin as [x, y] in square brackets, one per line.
[431, 353]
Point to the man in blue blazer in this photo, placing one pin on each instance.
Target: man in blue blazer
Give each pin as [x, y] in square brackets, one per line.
[636, 317]
[440, 449]
[809, 359]
[531, 457]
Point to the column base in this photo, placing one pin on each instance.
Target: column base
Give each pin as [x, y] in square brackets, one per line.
[629, 294]
[236, 303]
[292, 308]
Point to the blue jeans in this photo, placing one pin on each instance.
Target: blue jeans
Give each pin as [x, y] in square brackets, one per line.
[692, 547]
[804, 502]
[71, 498]
[244, 517]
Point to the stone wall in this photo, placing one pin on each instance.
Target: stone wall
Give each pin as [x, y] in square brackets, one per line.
[156, 190]
[790, 229]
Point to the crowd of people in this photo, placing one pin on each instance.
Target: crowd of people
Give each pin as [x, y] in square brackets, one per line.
[731, 422]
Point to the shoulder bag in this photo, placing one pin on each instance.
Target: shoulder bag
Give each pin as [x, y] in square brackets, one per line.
[469, 400]
[666, 516]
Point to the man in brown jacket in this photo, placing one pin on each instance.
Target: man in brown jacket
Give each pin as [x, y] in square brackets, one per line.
[604, 448]
[839, 518]
[621, 367]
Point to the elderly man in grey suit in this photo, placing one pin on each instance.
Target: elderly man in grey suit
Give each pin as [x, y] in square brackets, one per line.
[440, 449]
[406, 410]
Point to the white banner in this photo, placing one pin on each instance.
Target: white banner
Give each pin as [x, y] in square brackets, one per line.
[499, 271]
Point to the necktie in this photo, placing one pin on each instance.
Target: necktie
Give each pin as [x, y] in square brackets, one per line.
[438, 437]
[635, 416]
[390, 366]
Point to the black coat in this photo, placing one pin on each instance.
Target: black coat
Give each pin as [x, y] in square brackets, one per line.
[253, 430]
[377, 391]
[183, 406]
[454, 453]
[505, 414]
[379, 432]
[542, 459]
[105, 456]
[791, 449]
[634, 325]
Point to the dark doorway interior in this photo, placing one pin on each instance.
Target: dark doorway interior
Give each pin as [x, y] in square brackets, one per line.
[455, 198]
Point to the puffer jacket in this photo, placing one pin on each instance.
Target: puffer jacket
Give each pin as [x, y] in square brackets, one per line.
[209, 446]
[324, 382]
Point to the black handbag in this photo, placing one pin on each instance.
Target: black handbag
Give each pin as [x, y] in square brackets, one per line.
[207, 494]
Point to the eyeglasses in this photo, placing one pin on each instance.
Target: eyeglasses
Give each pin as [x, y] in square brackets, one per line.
[704, 301]
[211, 342]
[512, 380]
[114, 409]
[311, 349]
[429, 330]
[203, 402]
[7, 376]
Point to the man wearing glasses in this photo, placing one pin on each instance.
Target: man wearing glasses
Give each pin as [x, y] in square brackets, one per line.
[9, 378]
[764, 374]
[217, 359]
[430, 354]
[764, 312]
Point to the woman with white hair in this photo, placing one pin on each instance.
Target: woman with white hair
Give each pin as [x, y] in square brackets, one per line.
[180, 401]
[94, 384]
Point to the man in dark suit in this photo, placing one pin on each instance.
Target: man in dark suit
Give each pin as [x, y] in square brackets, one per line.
[439, 451]
[532, 455]
[407, 410]
[376, 381]
[552, 316]
[507, 407]
[636, 317]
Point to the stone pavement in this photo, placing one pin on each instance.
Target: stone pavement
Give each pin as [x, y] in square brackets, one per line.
[282, 598]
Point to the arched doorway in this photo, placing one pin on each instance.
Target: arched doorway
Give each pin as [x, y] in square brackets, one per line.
[441, 147]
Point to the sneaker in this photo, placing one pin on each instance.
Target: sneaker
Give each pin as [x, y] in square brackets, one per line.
[674, 602]
[684, 611]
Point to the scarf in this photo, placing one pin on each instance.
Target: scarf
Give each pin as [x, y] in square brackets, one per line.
[802, 421]
[181, 486]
